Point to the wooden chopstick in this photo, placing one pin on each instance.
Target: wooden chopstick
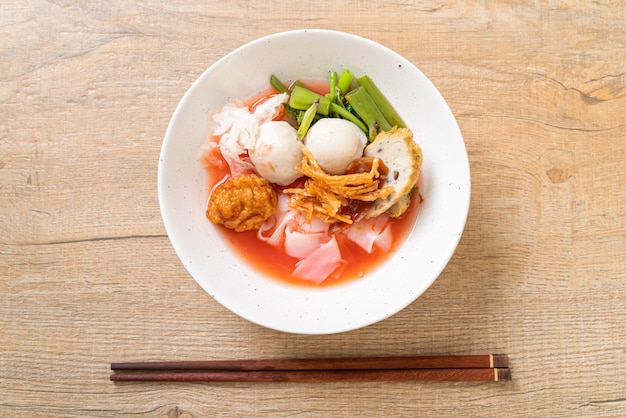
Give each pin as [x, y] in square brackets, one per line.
[370, 375]
[413, 362]
[484, 367]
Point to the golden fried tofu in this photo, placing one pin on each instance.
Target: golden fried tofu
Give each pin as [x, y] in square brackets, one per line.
[242, 203]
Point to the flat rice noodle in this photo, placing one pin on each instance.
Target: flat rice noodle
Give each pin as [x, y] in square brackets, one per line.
[316, 225]
[300, 244]
[319, 255]
[272, 231]
[303, 238]
[370, 233]
[320, 264]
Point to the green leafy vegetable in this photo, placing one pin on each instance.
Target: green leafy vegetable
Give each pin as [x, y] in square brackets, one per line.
[381, 101]
[302, 98]
[346, 114]
[365, 105]
[276, 83]
[345, 80]
[332, 94]
[307, 120]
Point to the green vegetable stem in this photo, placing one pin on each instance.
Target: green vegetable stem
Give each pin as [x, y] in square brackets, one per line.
[278, 85]
[346, 114]
[302, 98]
[365, 105]
[307, 120]
[345, 80]
[381, 101]
[332, 94]
[366, 109]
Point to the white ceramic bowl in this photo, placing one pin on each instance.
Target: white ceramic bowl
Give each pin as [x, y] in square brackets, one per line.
[311, 54]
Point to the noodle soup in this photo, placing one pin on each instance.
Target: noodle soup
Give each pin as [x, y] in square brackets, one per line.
[304, 242]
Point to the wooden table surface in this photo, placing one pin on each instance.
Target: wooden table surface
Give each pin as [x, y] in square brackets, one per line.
[88, 275]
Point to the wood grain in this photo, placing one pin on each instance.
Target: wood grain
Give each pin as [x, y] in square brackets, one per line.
[87, 274]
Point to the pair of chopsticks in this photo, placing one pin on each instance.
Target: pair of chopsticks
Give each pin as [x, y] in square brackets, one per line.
[448, 368]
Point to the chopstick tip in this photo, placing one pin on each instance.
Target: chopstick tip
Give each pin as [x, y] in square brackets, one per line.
[500, 360]
[503, 374]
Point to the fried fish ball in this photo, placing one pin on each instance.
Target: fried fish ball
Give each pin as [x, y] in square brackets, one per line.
[242, 203]
[403, 158]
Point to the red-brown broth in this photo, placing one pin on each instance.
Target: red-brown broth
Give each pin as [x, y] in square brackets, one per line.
[358, 262]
